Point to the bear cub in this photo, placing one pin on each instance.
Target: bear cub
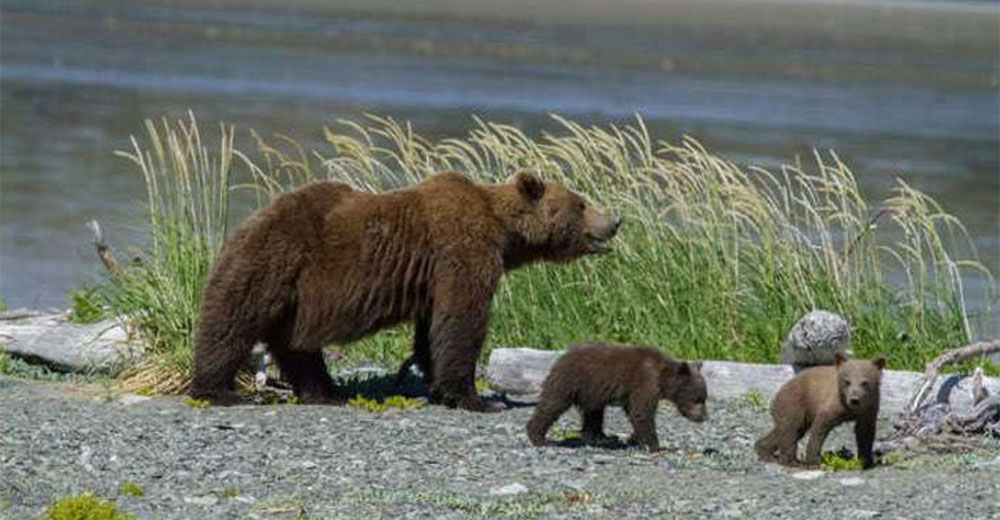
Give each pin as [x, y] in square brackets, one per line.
[816, 401]
[592, 376]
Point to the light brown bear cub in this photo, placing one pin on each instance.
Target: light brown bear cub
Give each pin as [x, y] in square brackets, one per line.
[592, 376]
[816, 401]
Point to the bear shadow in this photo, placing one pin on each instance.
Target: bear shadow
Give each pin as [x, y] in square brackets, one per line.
[382, 386]
[616, 444]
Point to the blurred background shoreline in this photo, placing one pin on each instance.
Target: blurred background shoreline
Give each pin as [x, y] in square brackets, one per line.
[897, 89]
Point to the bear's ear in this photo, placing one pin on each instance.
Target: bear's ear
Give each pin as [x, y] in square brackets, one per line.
[840, 357]
[880, 361]
[528, 185]
[685, 369]
[696, 367]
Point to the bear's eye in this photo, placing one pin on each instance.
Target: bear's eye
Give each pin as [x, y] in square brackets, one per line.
[581, 205]
[864, 384]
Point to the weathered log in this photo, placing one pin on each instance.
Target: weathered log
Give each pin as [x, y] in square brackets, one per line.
[933, 368]
[102, 347]
[520, 371]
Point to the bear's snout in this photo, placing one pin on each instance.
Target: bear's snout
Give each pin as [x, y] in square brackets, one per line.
[616, 223]
[600, 229]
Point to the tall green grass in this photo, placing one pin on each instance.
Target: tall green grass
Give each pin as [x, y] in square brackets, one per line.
[188, 190]
[715, 260]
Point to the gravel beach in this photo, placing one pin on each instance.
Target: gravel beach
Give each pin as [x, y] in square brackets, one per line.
[287, 461]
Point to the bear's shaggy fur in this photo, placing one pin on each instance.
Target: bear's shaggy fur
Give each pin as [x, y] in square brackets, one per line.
[327, 264]
[816, 401]
[592, 376]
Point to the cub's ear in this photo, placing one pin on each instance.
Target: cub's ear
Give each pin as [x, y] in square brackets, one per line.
[528, 185]
[840, 357]
[696, 367]
[685, 369]
[880, 361]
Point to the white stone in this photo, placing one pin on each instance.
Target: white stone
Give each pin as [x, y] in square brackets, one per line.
[852, 481]
[509, 490]
[815, 339]
[812, 474]
[204, 500]
[130, 399]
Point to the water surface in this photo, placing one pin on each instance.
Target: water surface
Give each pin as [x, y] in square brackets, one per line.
[898, 89]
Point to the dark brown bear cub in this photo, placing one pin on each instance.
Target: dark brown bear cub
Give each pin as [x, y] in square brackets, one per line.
[816, 401]
[592, 376]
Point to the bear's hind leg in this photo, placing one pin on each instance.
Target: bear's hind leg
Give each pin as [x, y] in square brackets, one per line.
[767, 447]
[548, 409]
[306, 371]
[787, 438]
[215, 366]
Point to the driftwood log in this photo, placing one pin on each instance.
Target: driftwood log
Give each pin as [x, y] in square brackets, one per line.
[102, 347]
[520, 371]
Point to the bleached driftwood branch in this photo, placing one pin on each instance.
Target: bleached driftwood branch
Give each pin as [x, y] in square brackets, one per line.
[103, 250]
[937, 420]
[956, 355]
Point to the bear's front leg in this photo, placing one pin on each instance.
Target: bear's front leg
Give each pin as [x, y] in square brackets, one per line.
[864, 435]
[818, 432]
[458, 328]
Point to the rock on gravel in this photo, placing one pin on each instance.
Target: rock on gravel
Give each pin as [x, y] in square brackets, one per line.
[283, 462]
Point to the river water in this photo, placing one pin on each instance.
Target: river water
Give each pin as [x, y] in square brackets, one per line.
[898, 89]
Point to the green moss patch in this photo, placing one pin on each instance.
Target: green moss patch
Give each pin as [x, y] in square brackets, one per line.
[85, 507]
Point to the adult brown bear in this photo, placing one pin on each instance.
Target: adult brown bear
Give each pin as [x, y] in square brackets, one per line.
[327, 264]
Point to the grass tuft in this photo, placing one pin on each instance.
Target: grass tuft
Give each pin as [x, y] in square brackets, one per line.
[756, 400]
[840, 461]
[197, 404]
[87, 306]
[132, 489]
[715, 260]
[394, 401]
[84, 507]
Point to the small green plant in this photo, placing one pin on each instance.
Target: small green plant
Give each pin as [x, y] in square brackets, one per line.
[562, 434]
[756, 400]
[229, 493]
[132, 489]
[4, 364]
[3, 305]
[395, 401]
[199, 404]
[85, 507]
[892, 459]
[840, 461]
[482, 385]
[86, 306]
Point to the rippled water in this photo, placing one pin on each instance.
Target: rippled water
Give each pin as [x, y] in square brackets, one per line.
[897, 90]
